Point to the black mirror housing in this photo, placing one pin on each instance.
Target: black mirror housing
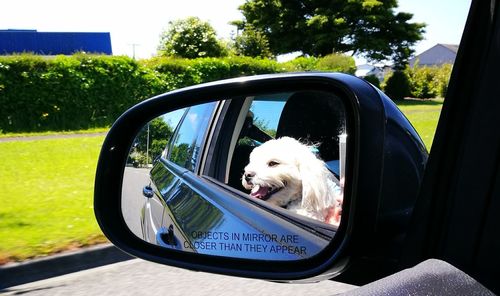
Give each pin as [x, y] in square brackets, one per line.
[384, 149]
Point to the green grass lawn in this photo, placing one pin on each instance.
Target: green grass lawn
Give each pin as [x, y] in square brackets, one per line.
[46, 196]
[423, 115]
[87, 131]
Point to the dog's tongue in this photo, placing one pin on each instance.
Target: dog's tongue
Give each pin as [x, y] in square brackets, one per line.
[259, 191]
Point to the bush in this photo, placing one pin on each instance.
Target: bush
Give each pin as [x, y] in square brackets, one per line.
[429, 82]
[337, 63]
[423, 82]
[443, 77]
[373, 80]
[331, 63]
[397, 85]
[301, 64]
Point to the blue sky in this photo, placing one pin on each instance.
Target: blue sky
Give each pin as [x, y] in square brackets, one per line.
[141, 22]
[445, 19]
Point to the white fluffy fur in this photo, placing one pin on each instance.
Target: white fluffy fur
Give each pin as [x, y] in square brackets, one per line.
[301, 182]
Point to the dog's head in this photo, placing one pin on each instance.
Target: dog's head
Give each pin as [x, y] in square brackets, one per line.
[284, 170]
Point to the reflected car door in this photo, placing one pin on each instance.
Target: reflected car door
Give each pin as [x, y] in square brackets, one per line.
[182, 154]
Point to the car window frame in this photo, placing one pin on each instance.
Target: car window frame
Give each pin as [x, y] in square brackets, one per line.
[207, 131]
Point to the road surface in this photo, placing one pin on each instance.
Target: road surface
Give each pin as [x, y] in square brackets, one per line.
[139, 277]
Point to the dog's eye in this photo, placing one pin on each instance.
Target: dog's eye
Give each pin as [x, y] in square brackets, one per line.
[272, 163]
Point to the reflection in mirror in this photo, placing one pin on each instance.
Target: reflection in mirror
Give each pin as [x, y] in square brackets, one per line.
[257, 177]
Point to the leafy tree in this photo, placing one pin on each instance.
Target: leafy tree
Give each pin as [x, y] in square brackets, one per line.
[370, 28]
[159, 133]
[252, 43]
[182, 155]
[190, 38]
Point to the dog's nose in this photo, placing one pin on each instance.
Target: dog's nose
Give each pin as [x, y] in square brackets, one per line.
[249, 176]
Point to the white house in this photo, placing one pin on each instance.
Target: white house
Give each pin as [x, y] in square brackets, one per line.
[378, 71]
[437, 55]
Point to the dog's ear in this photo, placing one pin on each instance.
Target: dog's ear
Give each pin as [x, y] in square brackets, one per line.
[315, 184]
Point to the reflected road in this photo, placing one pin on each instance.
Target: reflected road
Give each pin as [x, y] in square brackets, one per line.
[132, 198]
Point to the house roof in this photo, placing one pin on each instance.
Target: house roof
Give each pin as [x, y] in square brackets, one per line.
[367, 69]
[452, 47]
[437, 55]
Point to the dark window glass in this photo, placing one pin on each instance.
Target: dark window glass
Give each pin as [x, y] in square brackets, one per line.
[186, 146]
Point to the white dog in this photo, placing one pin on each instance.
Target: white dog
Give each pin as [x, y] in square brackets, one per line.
[288, 174]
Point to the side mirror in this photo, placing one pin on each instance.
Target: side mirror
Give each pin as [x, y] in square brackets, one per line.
[281, 177]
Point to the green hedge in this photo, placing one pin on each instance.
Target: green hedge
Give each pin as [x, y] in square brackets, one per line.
[87, 91]
[184, 72]
[333, 62]
[69, 93]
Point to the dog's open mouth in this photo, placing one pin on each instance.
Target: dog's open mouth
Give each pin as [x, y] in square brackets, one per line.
[264, 192]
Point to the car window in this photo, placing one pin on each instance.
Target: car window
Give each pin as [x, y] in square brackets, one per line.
[266, 111]
[314, 118]
[187, 142]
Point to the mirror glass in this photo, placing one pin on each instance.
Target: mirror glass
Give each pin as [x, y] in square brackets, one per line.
[258, 177]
